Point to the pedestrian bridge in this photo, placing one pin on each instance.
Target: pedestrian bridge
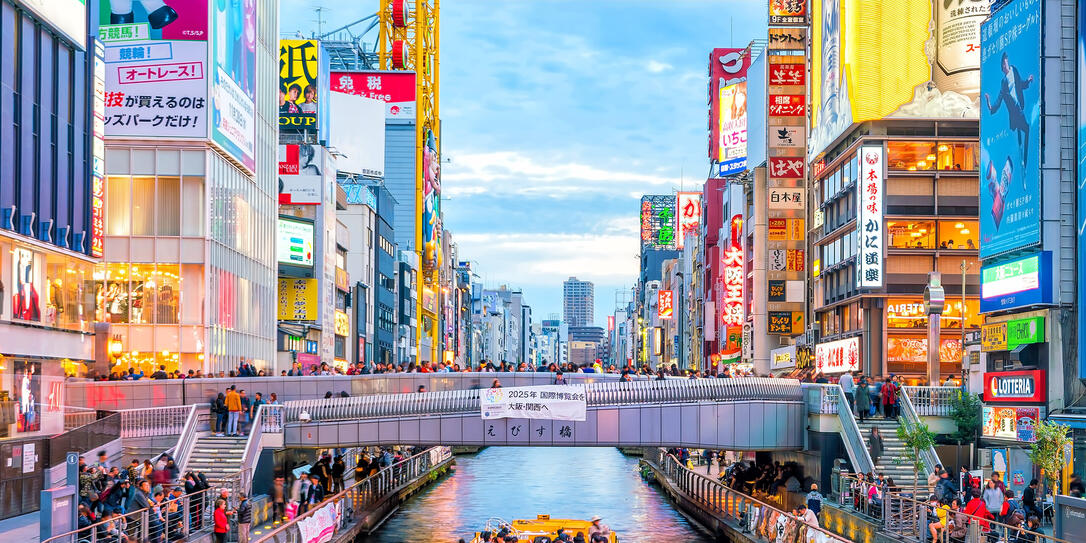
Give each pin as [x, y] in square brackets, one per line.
[733, 414]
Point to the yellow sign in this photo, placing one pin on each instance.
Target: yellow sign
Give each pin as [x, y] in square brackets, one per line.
[297, 299]
[863, 71]
[343, 280]
[343, 324]
[993, 337]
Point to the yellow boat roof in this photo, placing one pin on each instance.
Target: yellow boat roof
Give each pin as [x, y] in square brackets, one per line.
[544, 525]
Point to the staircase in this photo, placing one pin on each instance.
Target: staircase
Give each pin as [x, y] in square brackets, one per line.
[894, 462]
[219, 458]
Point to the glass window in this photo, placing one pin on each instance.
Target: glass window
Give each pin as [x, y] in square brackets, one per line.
[910, 234]
[958, 156]
[141, 308]
[168, 206]
[112, 293]
[143, 206]
[192, 207]
[910, 155]
[166, 287]
[118, 206]
[958, 235]
[192, 296]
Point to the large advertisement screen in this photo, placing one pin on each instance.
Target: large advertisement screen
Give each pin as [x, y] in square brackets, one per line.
[358, 133]
[156, 68]
[1010, 129]
[922, 60]
[303, 76]
[233, 95]
[294, 246]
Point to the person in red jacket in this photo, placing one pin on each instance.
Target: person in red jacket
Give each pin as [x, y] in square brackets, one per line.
[222, 525]
[976, 508]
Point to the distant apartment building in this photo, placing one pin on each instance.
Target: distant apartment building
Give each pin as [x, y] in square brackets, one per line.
[577, 301]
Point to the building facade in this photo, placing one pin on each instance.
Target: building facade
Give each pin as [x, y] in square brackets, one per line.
[578, 302]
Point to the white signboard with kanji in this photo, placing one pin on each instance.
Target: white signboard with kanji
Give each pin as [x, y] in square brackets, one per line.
[870, 215]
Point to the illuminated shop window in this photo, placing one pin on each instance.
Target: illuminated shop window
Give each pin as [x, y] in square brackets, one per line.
[911, 234]
[911, 155]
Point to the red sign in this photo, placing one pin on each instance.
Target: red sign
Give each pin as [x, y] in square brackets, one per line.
[288, 160]
[1015, 386]
[726, 66]
[396, 89]
[787, 105]
[610, 323]
[787, 74]
[786, 167]
[732, 306]
[689, 210]
[664, 304]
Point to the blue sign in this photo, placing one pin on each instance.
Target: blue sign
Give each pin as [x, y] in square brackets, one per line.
[1010, 128]
[733, 166]
[1021, 282]
[1081, 212]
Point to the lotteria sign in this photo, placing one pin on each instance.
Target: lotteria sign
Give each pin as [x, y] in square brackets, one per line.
[1017, 283]
[1014, 386]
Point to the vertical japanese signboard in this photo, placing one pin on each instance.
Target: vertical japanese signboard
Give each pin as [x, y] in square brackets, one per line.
[731, 308]
[665, 304]
[869, 223]
[786, 167]
[728, 110]
[98, 154]
[155, 70]
[658, 221]
[688, 210]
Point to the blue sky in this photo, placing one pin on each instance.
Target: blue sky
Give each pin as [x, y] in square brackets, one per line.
[557, 115]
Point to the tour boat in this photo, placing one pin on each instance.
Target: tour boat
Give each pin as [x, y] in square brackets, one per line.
[542, 529]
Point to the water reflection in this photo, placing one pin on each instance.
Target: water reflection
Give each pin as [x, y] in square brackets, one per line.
[514, 482]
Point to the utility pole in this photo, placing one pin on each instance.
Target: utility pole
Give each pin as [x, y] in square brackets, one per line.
[964, 266]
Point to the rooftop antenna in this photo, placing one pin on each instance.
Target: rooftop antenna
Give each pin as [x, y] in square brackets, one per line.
[320, 20]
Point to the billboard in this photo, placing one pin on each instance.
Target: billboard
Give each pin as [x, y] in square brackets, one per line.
[297, 299]
[26, 279]
[1010, 129]
[1020, 282]
[233, 77]
[1017, 423]
[658, 221]
[395, 89]
[156, 89]
[788, 12]
[838, 356]
[300, 179]
[688, 208]
[431, 203]
[294, 242]
[921, 61]
[869, 224]
[357, 131]
[303, 71]
[67, 16]
[728, 109]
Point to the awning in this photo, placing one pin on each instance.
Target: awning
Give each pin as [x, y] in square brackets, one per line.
[1069, 419]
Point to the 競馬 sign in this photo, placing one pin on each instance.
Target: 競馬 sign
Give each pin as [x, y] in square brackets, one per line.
[554, 402]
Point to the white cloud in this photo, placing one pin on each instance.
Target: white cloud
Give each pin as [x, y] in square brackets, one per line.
[515, 173]
[655, 66]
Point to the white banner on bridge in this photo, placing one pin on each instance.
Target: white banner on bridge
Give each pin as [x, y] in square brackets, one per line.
[320, 526]
[554, 402]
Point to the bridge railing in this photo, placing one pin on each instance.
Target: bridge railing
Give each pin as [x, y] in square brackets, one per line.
[339, 511]
[597, 394]
[177, 519]
[906, 519]
[155, 421]
[933, 401]
[268, 419]
[751, 514]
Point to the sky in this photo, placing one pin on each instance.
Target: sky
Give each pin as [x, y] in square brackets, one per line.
[557, 115]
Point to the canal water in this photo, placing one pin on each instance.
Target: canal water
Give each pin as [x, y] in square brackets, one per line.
[516, 482]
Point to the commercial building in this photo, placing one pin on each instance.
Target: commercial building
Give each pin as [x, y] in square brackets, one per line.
[578, 302]
[51, 221]
[190, 286]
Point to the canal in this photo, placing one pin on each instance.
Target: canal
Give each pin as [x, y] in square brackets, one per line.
[516, 482]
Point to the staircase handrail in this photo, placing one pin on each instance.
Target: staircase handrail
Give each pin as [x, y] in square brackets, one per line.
[268, 419]
[832, 399]
[182, 451]
[932, 401]
[910, 420]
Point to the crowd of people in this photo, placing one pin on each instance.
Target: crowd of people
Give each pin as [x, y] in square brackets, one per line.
[107, 493]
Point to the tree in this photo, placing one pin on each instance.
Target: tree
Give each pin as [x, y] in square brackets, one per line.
[1049, 451]
[965, 409]
[917, 438]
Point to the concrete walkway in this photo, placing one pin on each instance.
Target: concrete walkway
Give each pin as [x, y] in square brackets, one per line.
[21, 528]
